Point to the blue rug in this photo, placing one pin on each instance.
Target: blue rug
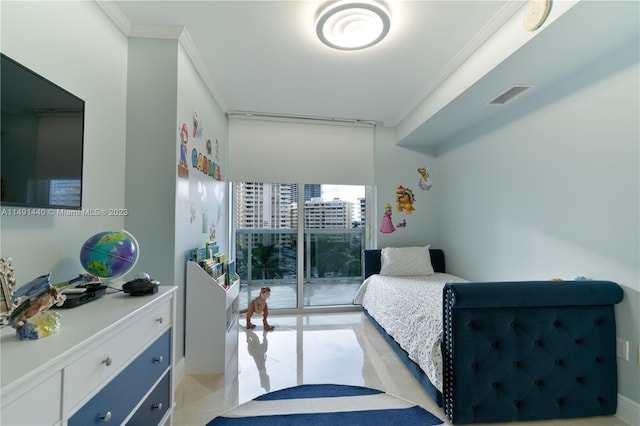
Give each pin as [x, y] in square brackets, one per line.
[312, 405]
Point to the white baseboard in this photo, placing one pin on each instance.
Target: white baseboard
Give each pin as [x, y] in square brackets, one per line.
[628, 411]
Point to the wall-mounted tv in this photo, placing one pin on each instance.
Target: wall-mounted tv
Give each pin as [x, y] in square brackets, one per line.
[42, 136]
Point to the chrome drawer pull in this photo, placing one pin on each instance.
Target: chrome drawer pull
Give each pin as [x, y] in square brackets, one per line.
[107, 361]
[158, 406]
[159, 359]
[107, 417]
[160, 320]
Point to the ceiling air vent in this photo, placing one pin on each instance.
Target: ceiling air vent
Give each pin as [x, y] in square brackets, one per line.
[509, 95]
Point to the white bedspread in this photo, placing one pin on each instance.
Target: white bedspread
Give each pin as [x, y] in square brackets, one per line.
[410, 310]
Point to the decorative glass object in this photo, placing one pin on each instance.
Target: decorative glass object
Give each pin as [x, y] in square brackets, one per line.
[32, 300]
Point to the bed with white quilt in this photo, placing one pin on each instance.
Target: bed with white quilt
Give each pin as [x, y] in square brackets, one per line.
[495, 351]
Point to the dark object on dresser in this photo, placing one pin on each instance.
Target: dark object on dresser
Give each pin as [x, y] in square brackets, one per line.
[91, 293]
[141, 287]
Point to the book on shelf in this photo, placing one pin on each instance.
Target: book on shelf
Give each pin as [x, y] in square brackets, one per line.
[230, 271]
[212, 248]
[217, 265]
[198, 254]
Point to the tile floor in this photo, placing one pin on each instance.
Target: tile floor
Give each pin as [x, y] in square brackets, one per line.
[311, 348]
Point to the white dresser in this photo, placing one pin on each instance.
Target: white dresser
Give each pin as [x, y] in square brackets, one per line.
[111, 362]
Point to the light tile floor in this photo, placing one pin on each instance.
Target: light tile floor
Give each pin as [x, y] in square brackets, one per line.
[311, 348]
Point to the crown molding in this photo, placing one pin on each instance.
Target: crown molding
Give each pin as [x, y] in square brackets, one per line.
[196, 59]
[116, 15]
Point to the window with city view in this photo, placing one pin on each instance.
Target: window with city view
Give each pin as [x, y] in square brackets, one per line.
[310, 257]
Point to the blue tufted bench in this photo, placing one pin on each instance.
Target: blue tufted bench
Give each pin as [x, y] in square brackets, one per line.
[516, 351]
[531, 350]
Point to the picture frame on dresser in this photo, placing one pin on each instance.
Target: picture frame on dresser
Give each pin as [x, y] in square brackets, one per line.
[7, 287]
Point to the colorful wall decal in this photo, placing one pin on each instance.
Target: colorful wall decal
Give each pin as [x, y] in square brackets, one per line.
[197, 126]
[183, 167]
[192, 213]
[424, 183]
[405, 199]
[205, 165]
[386, 227]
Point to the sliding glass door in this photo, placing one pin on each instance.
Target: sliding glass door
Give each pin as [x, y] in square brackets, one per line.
[309, 256]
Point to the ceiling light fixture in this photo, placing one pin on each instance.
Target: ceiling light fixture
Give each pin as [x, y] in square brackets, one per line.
[352, 25]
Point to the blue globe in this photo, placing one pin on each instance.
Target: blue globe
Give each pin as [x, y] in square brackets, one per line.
[109, 254]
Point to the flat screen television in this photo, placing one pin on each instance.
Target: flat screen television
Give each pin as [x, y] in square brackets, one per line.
[42, 137]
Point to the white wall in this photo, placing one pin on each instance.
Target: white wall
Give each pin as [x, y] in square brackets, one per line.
[52, 39]
[170, 214]
[554, 193]
[397, 166]
[201, 211]
[151, 123]
[201, 207]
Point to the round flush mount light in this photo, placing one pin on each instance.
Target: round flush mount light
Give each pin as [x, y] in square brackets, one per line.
[352, 25]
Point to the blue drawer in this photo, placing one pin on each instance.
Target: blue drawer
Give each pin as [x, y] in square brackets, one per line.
[155, 406]
[123, 393]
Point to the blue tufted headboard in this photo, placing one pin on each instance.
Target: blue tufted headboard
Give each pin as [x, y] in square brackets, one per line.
[529, 350]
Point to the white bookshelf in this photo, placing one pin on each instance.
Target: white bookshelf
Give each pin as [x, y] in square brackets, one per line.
[211, 336]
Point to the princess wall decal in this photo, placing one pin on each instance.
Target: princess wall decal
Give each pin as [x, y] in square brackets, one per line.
[386, 227]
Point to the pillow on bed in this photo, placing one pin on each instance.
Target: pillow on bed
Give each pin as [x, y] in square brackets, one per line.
[406, 261]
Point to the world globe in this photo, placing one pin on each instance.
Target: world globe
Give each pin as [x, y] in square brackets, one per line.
[109, 254]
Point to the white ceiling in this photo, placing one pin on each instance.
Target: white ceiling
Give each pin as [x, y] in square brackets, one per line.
[264, 57]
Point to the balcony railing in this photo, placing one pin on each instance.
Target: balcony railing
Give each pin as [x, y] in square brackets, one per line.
[331, 271]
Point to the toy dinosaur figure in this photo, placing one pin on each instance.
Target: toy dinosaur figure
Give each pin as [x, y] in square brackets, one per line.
[259, 306]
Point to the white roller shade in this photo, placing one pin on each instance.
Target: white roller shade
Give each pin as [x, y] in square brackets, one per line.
[299, 151]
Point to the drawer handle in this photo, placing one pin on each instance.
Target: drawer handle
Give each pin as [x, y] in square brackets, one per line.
[107, 417]
[159, 359]
[107, 361]
[160, 320]
[158, 406]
